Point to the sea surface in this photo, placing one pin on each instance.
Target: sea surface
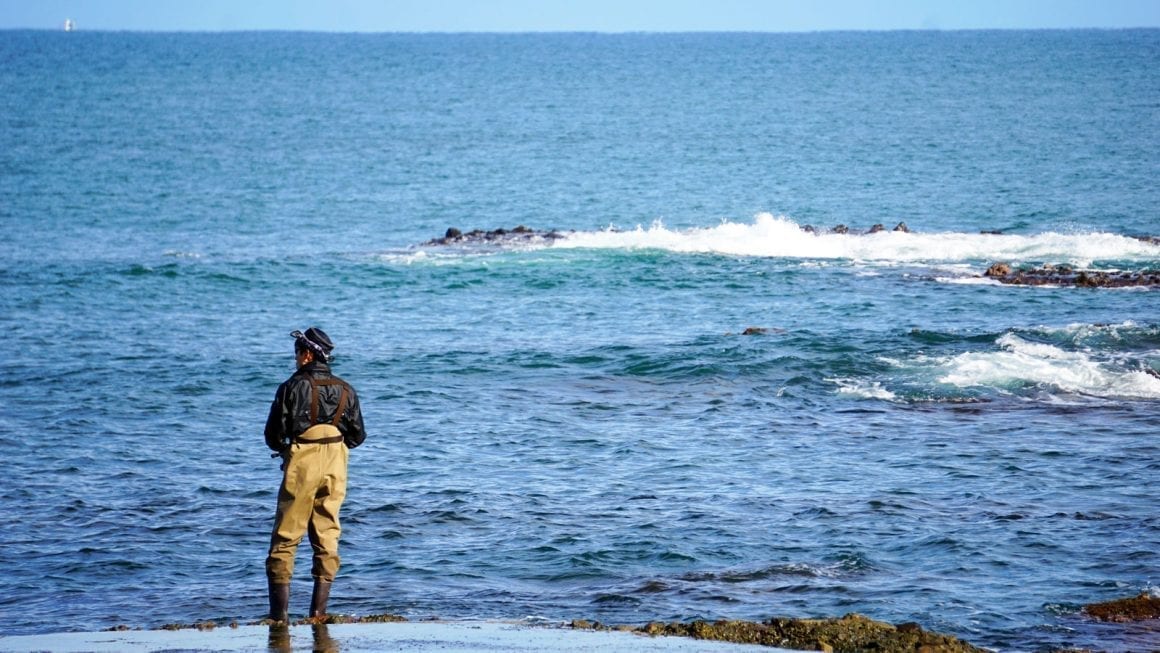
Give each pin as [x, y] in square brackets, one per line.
[577, 427]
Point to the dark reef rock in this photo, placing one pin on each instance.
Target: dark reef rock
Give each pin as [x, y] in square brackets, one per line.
[843, 229]
[758, 331]
[1137, 608]
[454, 236]
[1064, 275]
[998, 270]
[521, 233]
[852, 632]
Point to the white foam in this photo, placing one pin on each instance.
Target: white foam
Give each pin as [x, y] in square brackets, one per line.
[969, 281]
[861, 389]
[1020, 362]
[405, 258]
[1080, 330]
[771, 236]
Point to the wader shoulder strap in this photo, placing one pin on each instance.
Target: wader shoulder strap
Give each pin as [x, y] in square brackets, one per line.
[341, 406]
[314, 383]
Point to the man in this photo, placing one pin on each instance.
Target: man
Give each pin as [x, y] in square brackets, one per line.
[314, 420]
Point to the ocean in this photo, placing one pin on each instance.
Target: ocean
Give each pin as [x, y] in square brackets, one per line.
[681, 405]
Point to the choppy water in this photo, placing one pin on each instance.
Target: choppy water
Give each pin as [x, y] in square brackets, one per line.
[576, 428]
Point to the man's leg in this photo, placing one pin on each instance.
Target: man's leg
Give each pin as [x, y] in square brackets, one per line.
[324, 528]
[295, 501]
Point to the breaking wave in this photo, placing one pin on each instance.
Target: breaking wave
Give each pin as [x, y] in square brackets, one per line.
[1020, 364]
[779, 236]
[1078, 361]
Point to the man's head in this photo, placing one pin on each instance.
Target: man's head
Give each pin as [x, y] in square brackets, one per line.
[314, 345]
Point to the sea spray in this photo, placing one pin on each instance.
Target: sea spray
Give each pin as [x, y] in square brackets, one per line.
[782, 237]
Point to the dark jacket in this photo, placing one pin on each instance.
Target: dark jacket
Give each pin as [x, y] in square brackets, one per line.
[290, 414]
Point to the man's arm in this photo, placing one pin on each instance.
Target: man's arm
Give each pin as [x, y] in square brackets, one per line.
[275, 421]
[353, 432]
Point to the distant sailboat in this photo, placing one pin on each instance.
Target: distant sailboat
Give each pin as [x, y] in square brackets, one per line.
[69, 25]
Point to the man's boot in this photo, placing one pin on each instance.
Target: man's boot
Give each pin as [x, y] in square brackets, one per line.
[279, 601]
[319, 597]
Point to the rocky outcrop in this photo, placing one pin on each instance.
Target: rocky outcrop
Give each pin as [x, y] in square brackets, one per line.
[454, 236]
[1137, 608]
[1065, 275]
[843, 229]
[851, 633]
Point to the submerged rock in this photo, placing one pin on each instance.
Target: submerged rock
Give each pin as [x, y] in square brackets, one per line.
[1064, 275]
[852, 632]
[1137, 608]
[757, 331]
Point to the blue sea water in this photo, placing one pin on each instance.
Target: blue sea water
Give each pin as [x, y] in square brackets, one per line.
[575, 427]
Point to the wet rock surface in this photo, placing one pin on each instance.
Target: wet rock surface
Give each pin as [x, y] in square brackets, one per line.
[1137, 608]
[454, 236]
[843, 229]
[852, 632]
[1064, 275]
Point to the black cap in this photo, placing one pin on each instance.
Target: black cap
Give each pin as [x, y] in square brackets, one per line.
[316, 340]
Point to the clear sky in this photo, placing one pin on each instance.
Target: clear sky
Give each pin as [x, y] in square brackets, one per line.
[575, 15]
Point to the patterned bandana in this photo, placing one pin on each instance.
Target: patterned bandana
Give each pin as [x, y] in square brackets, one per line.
[319, 352]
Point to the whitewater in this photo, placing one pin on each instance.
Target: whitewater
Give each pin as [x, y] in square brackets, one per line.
[782, 237]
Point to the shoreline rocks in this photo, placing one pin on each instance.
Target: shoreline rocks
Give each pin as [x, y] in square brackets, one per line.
[1137, 608]
[848, 634]
[1065, 275]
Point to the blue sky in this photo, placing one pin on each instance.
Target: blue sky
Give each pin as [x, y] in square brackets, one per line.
[576, 15]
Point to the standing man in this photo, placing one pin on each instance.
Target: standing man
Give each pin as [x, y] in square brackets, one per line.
[314, 421]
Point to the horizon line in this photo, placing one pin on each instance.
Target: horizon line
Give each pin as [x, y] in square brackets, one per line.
[108, 30]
